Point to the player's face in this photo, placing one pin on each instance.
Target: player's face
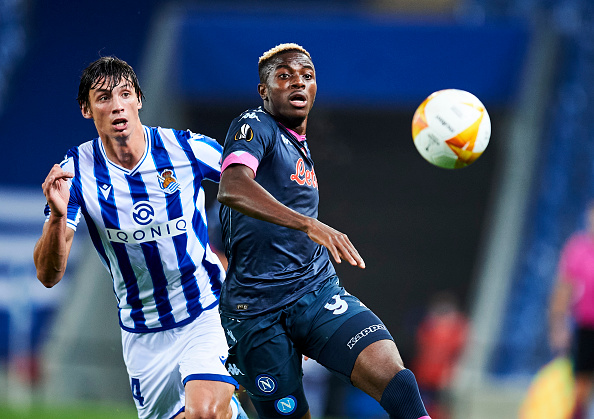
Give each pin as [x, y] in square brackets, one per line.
[115, 112]
[291, 88]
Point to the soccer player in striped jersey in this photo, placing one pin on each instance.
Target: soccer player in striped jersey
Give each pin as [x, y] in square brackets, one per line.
[139, 190]
[282, 298]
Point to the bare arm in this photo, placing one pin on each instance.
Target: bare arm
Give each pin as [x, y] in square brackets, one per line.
[559, 332]
[53, 247]
[239, 190]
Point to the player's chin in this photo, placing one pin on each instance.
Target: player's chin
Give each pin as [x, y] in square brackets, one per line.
[297, 112]
[120, 133]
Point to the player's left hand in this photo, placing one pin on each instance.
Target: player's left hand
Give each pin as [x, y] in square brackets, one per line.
[337, 243]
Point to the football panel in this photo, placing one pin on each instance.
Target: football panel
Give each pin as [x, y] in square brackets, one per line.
[450, 113]
[431, 147]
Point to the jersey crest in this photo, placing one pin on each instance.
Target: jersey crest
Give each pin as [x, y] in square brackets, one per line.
[168, 182]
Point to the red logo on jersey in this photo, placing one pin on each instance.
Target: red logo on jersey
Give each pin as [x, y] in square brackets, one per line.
[303, 176]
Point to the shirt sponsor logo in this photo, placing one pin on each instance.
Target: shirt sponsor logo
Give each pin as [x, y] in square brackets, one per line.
[171, 228]
[168, 182]
[244, 133]
[142, 213]
[374, 328]
[286, 405]
[266, 384]
[303, 176]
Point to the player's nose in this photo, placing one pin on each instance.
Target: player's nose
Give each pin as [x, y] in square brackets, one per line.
[118, 104]
[298, 81]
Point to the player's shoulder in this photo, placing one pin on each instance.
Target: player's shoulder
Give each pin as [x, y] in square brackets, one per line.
[577, 245]
[85, 149]
[178, 137]
[253, 123]
[79, 155]
[257, 119]
[580, 239]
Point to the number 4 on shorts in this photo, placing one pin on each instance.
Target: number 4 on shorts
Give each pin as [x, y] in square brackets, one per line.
[136, 391]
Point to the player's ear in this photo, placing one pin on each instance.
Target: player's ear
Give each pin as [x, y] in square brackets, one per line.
[263, 91]
[86, 113]
[139, 103]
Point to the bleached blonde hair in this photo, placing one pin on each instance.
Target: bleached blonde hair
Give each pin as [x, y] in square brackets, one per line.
[263, 62]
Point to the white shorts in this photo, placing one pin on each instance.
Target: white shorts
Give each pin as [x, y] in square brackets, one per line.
[159, 364]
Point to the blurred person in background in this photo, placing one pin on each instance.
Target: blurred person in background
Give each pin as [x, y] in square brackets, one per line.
[282, 298]
[571, 313]
[139, 189]
[440, 339]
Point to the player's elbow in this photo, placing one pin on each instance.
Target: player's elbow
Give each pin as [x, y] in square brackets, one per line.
[236, 182]
[227, 197]
[47, 283]
[223, 197]
[49, 278]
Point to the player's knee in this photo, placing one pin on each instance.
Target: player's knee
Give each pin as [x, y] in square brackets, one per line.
[208, 410]
[375, 367]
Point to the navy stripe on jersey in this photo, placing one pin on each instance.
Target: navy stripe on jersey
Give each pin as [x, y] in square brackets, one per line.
[75, 194]
[109, 215]
[152, 256]
[174, 210]
[200, 228]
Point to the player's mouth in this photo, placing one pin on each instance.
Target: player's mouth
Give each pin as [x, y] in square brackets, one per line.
[298, 99]
[120, 124]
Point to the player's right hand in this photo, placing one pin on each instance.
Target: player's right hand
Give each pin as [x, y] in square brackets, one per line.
[56, 191]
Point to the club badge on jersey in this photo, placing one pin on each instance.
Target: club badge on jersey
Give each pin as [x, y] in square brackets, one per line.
[168, 182]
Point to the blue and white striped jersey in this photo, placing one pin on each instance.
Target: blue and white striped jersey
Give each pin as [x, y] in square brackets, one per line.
[149, 227]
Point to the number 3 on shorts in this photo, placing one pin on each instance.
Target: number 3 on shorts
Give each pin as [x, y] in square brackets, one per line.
[136, 391]
[338, 307]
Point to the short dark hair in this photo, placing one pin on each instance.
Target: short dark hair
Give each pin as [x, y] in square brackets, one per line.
[265, 62]
[106, 71]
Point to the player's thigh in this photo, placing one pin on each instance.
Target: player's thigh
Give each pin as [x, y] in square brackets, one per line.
[203, 359]
[264, 360]
[334, 327]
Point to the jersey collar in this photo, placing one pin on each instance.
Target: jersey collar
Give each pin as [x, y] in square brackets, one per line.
[147, 150]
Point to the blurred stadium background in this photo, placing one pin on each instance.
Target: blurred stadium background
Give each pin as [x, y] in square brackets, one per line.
[488, 234]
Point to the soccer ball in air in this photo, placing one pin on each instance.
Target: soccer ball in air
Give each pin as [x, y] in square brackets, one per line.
[451, 128]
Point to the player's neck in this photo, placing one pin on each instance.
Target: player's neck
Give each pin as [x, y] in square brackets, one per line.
[125, 151]
[298, 125]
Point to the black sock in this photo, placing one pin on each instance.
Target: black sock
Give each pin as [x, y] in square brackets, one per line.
[401, 398]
